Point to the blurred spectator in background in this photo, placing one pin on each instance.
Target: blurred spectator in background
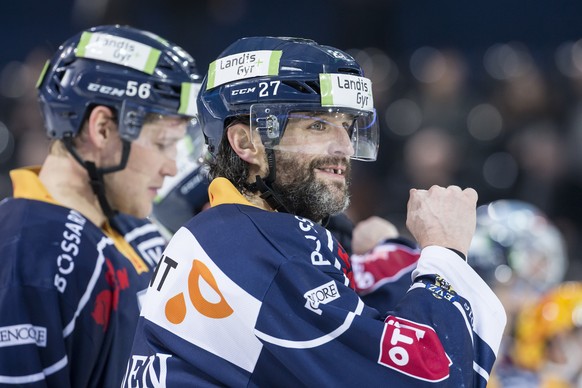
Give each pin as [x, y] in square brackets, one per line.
[441, 89]
[547, 346]
[430, 156]
[517, 251]
[517, 87]
[521, 255]
[539, 151]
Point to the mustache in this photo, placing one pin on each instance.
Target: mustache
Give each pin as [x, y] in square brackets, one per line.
[332, 160]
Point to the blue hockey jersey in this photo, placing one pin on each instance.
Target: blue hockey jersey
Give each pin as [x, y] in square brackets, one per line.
[68, 290]
[247, 297]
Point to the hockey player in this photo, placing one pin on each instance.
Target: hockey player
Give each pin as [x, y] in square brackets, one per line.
[255, 292]
[75, 250]
[548, 341]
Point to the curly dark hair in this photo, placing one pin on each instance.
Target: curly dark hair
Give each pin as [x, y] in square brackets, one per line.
[228, 164]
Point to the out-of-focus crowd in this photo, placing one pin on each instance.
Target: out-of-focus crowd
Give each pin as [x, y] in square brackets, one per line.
[508, 125]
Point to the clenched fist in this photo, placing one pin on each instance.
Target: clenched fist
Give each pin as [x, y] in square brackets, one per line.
[441, 216]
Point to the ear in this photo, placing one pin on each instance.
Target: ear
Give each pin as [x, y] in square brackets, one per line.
[249, 149]
[100, 126]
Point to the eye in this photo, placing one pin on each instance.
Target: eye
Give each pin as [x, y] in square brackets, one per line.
[317, 125]
[165, 146]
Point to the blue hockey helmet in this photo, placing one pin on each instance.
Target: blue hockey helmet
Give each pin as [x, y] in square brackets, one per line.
[135, 72]
[514, 240]
[271, 79]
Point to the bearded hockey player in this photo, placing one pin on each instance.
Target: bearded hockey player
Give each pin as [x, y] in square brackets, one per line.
[255, 292]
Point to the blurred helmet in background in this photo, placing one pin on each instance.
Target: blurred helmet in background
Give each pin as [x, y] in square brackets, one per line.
[515, 240]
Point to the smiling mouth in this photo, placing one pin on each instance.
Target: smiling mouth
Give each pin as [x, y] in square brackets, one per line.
[334, 171]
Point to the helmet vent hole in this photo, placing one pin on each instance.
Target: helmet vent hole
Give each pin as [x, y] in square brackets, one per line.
[348, 70]
[169, 91]
[165, 64]
[303, 87]
[314, 85]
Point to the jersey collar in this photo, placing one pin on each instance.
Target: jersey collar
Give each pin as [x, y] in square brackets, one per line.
[27, 185]
[222, 191]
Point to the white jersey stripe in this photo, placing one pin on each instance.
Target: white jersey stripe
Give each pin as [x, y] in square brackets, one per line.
[142, 230]
[36, 376]
[316, 341]
[89, 290]
[482, 372]
[329, 241]
[489, 314]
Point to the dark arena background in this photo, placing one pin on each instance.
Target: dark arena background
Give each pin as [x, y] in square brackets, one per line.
[484, 94]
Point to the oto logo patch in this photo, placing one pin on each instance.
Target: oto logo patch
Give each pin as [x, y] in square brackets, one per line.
[413, 349]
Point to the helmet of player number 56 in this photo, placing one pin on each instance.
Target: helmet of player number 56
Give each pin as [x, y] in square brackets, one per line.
[132, 71]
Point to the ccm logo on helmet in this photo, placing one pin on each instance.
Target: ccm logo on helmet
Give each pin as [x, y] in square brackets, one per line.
[104, 89]
[243, 91]
[132, 89]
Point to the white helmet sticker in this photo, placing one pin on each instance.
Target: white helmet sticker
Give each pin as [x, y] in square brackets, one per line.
[121, 51]
[244, 65]
[347, 91]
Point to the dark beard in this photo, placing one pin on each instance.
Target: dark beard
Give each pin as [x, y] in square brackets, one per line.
[302, 193]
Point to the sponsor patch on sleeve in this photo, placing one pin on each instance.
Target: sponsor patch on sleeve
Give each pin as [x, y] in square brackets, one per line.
[414, 350]
[23, 334]
[321, 295]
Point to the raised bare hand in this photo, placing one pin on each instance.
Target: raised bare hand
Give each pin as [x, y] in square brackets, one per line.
[443, 216]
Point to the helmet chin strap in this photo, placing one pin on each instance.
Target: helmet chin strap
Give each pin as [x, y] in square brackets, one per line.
[269, 194]
[96, 174]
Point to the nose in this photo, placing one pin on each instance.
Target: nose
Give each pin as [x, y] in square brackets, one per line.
[169, 168]
[341, 144]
